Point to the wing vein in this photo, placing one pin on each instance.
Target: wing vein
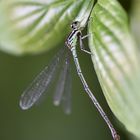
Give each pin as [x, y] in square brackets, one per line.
[40, 83]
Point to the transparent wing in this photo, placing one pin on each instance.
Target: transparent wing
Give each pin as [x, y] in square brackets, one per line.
[66, 100]
[61, 83]
[41, 82]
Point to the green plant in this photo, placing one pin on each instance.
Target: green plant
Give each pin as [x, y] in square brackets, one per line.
[34, 27]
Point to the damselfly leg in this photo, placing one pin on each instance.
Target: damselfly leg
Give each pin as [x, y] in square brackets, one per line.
[82, 45]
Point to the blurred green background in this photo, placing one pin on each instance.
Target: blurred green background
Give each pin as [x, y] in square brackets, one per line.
[46, 122]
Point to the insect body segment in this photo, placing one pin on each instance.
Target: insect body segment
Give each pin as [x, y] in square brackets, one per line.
[74, 35]
[72, 39]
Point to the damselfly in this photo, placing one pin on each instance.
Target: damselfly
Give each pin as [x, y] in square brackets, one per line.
[41, 83]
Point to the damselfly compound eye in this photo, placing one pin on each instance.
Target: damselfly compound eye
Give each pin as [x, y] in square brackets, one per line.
[75, 24]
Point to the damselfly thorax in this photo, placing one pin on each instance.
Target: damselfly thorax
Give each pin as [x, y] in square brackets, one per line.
[74, 35]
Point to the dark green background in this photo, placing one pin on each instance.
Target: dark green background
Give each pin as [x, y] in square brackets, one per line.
[46, 122]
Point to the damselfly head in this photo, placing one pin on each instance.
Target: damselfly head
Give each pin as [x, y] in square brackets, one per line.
[75, 25]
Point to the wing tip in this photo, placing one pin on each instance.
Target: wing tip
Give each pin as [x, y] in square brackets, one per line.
[56, 102]
[67, 112]
[23, 106]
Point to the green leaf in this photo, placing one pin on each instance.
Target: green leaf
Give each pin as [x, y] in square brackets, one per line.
[37, 26]
[116, 62]
[135, 20]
